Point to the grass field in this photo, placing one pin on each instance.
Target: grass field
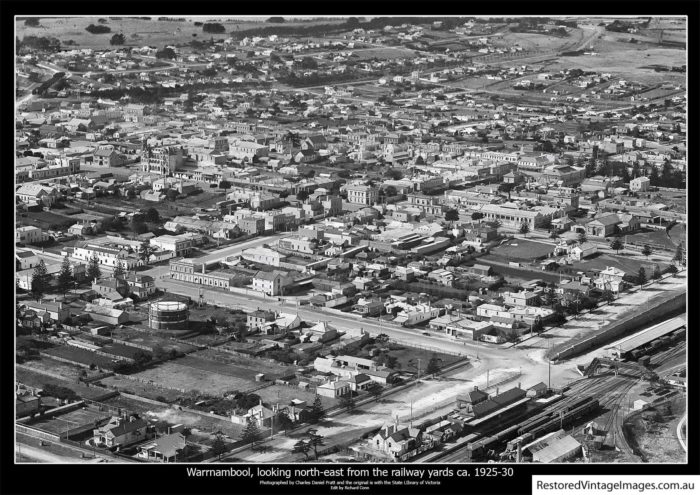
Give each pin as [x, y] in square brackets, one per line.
[142, 389]
[82, 356]
[138, 32]
[70, 372]
[628, 265]
[39, 380]
[172, 374]
[522, 249]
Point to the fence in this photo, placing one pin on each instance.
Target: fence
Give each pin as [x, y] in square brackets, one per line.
[36, 432]
[616, 329]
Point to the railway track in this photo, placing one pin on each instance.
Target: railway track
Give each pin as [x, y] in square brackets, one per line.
[583, 396]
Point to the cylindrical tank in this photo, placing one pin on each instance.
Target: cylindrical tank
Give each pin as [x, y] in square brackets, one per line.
[170, 315]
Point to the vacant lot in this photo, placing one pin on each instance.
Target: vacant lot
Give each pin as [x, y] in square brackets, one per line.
[178, 376]
[522, 250]
[45, 220]
[39, 380]
[628, 265]
[70, 372]
[383, 53]
[142, 389]
[258, 365]
[82, 356]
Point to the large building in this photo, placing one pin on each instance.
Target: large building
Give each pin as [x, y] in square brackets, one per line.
[362, 195]
[163, 160]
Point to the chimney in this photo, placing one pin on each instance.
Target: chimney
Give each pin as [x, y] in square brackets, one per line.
[204, 266]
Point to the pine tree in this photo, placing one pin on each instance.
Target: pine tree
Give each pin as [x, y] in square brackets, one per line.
[218, 447]
[678, 257]
[433, 365]
[40, 280]
[65, 276]
[251, 433]
[642, 276]
[118, 270]
[317, 412]
[316, 441]
[145, 252]
[616, 245]
[302, 447]
[93, 269]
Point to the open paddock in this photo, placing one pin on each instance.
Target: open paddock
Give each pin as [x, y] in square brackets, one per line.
[522, 249]
[146, 390]
[172, 374]
[258, 365]
[82, 356]
[39, 380]
[68, 371]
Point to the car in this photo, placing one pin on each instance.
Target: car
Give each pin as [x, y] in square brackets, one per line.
[427, 333]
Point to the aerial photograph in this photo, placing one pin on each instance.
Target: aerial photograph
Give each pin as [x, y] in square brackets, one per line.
[331, 239]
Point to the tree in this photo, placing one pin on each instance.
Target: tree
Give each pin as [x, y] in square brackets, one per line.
[65, 276]
[616, 245]
[145, 251]
[213, 27]
[168, 53]
[656, 274]
[375, 389]
[524, 228]
[142, 358]
[347, 402]
[433, 365]
[309, 63]
[451, 215]
[118, 270]
[608, 296]
[218, 447]
[117, 39]
[138, 226]
[92, 28]
[302, 447]
[672, 269]
[553, 234]
[93, 269]
[582, 238]
[224, 184]
[302, 195]
[390, 191]
[678, 257]
[477, 215]
[315, 440]
[151, 215]
[283, 421]
[171, 194]
[40, 280]
[641, 276]
[317, 412]
[31, 22]
[251, 433]
[646, 250]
